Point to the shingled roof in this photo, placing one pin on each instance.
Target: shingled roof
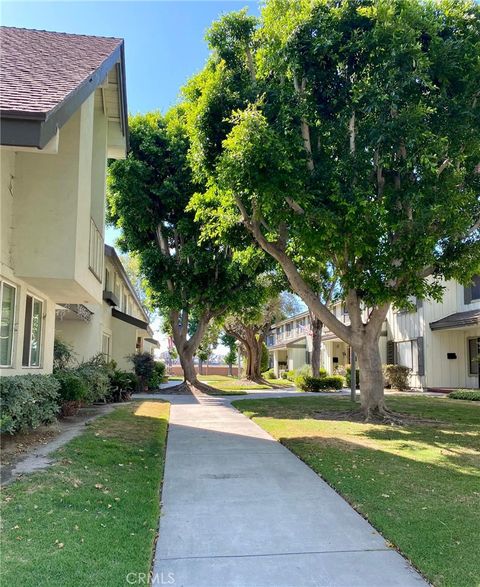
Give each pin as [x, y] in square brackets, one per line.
[46, 75]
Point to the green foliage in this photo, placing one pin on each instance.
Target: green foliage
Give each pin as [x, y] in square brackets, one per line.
[270, 374]
[264, 359]
[158, 375]
[300, 374]
[63, 355]
[96, 373]
[348, 376]
[73, 388]
[27, 401]
[315, 384]
[290, 375]
[386, 184]
[231, 357]
[123, 381]
[143, 365]
[466, 394]
[396, 376]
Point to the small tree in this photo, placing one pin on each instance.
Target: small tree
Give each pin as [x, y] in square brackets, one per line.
[231, 343]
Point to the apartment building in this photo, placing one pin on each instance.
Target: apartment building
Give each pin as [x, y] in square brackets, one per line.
[118, 327]
[438, 341]
[63, 112]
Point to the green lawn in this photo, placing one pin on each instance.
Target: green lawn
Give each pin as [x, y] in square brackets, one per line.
[92, 517]
[418, 484]
[231, 385]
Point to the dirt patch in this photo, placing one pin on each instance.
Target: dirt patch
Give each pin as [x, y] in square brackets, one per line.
[16, 447]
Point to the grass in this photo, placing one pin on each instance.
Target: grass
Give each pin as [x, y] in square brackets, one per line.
[418, 484]
[231, 385]
[92, 517]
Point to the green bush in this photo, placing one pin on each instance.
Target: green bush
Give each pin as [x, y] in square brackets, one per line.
[143, 365]
[158, 375]
[315, 384]
[396, 376]
[96, 373]
[27, 401]
[264, 358]
[122, 384]
[73, 388]
[270, 374]
[348, 376]
[290, 375]
[472, 395]
[300, 374]
[63, 355]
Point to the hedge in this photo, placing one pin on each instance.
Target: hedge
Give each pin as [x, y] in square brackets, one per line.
[316, 384]
[27, 401]
[467, 394]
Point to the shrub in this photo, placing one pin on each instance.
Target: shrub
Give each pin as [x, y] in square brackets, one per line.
[300, 374]
[96, 373]
[472, 395]
[122, 384]
[348, 376]
[63, 355]
[290, 375]
[270, 374]
[27, 401]
[328, 383]
[264, 358]
[158, 375]
[143, 365]
[72, 386]
[396, 376]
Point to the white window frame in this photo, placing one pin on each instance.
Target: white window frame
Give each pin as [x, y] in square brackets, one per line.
[42, 331]
[10, 284]
[108, 336]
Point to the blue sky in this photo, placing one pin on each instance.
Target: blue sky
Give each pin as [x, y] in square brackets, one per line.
[164, 41]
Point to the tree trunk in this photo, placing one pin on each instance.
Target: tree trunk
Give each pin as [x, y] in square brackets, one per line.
[230, 370]
[371, 380]
[317, 328]
[200, 366]
[188, 366]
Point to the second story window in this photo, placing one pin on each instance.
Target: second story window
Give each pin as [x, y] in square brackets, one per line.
[472, 291]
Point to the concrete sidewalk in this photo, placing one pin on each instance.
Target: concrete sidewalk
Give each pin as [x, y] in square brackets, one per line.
[240, 510]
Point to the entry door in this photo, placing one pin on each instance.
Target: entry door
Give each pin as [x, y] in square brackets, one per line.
[474, 357]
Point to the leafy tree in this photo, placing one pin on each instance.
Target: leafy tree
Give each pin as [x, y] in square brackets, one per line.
[131, 264]
[231, 343]
[208, 345]
[347, 131]
[191, 281]
[250, 327]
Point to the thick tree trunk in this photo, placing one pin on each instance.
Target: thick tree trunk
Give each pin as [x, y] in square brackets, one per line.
[371, 380]
[188, 366]
[317, 328]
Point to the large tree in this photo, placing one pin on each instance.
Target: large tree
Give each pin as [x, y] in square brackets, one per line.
[348, 130]
[190, 280]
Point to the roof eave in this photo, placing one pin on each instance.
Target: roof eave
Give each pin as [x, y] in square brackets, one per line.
[23, 130]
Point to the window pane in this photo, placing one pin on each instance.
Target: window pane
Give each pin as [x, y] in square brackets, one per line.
[36, 334]
[404, 354]
[27, 332]
[6, 324]
[476, 288]
[473, 355]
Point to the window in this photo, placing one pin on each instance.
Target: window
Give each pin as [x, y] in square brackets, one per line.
[407, 354]
[106, 345]
[7, 318]
[472, 291]
[473, 355]
[308, 357]
[107, 280]
[32, 338]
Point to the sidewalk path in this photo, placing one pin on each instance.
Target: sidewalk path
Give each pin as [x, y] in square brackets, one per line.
[240, 510]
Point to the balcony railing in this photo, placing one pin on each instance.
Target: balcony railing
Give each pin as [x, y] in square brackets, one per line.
[96, 253]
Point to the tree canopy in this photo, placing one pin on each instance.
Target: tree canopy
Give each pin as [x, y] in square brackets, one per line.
[347, 133]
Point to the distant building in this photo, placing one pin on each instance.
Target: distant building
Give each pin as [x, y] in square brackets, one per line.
[438, 341]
